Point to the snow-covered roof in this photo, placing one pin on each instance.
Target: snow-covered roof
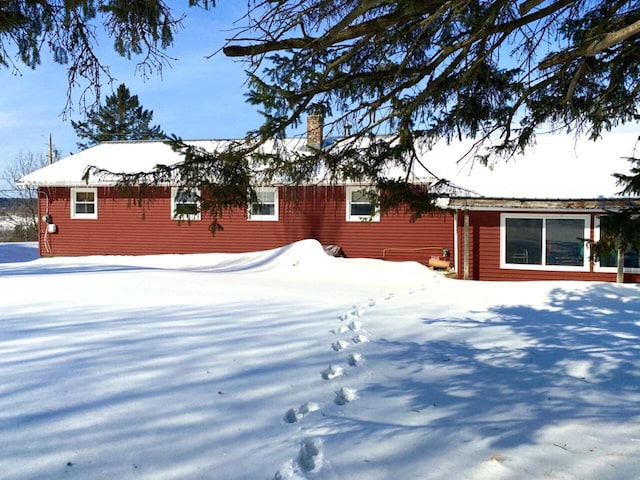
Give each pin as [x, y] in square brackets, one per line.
[124, 157]
[556, 167]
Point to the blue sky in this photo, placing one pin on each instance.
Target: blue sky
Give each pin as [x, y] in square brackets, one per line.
[194, 98]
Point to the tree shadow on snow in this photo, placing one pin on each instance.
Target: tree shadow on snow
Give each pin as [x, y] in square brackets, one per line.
[162, 392]
[18, 252]
[508, 376]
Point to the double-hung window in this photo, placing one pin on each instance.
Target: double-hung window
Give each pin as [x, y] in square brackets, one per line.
[266, 205]
[544, 242]
[185, 204]
[84, 203]
[361, 205]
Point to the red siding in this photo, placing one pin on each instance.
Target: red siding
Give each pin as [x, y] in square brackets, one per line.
[484, 254]
[125, 228]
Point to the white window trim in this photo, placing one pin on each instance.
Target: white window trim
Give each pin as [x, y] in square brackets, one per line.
[597, 267]
[585, 267]
[180, 217]
[360, 218]
[84, 216]
[276, 206]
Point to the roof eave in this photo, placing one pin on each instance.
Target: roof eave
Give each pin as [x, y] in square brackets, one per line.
[600, 204]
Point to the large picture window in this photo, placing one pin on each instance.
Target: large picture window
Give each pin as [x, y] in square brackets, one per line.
[544, 242]
[266, 206]
[610, 262]
[185, 204]
[360, 205]
[84, 203]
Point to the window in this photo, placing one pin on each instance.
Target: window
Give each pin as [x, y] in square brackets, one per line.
[266, 206]
[549, 242]
[610, 262]
[84, 203]
[185, 204]
[361, 205]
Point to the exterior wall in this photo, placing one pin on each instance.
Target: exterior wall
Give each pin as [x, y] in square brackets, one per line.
[124, 227]
[484, 253]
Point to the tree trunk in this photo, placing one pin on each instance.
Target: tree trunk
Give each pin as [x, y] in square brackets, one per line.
[620, 271]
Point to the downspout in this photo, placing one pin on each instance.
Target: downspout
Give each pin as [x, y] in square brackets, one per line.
[456, 243]
[43, 237]
[465, 245]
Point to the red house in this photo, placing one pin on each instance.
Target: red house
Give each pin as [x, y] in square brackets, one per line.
[94, 218]
[526, 219]
[535, 216]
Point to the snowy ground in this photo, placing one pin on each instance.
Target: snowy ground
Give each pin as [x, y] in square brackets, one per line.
[291, 364]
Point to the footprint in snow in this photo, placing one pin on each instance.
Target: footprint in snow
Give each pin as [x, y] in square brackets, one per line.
[309, 460]
[332, 372]
[360, 339]
[340, 330]
[355, 359]
[339, 345]
[345, 395]
[354, 326]
[389, 296]
[310, 455]
[294, 415]
[358, 311]
[355, 312]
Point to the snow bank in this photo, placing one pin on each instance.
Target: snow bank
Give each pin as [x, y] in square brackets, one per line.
[291, 364]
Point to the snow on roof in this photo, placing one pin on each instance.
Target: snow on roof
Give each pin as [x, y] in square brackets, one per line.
[556, 167]
[122, 157]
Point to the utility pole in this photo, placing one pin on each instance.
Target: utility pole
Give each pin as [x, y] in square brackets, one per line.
[50, 150]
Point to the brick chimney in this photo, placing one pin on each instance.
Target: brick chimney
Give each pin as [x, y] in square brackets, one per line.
[314, 131]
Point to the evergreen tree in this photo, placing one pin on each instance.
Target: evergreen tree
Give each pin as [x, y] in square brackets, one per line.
[619, 234]
[620, 230]
[417, 70]
[121, 118]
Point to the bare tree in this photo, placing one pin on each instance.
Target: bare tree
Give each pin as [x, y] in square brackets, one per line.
[24, 213]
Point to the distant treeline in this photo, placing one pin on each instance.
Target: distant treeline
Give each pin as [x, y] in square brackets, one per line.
[9, 202]
[16, 220]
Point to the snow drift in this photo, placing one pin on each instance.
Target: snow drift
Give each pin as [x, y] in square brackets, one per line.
[291, 364]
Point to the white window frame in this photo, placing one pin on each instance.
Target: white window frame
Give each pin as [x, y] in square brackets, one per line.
[74, 203]
[276, 206]
[597, 267]
[349, 200]
[585, 267]
[174, 204]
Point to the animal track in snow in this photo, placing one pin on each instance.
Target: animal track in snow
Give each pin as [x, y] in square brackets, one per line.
[350, 315]
[355, 325]
[355, 359]
[345, 395]
[332, 372]
[340, 330]
[340, 345]
[310, 456]
[294, 415]
[360, 339]
[309, 461]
